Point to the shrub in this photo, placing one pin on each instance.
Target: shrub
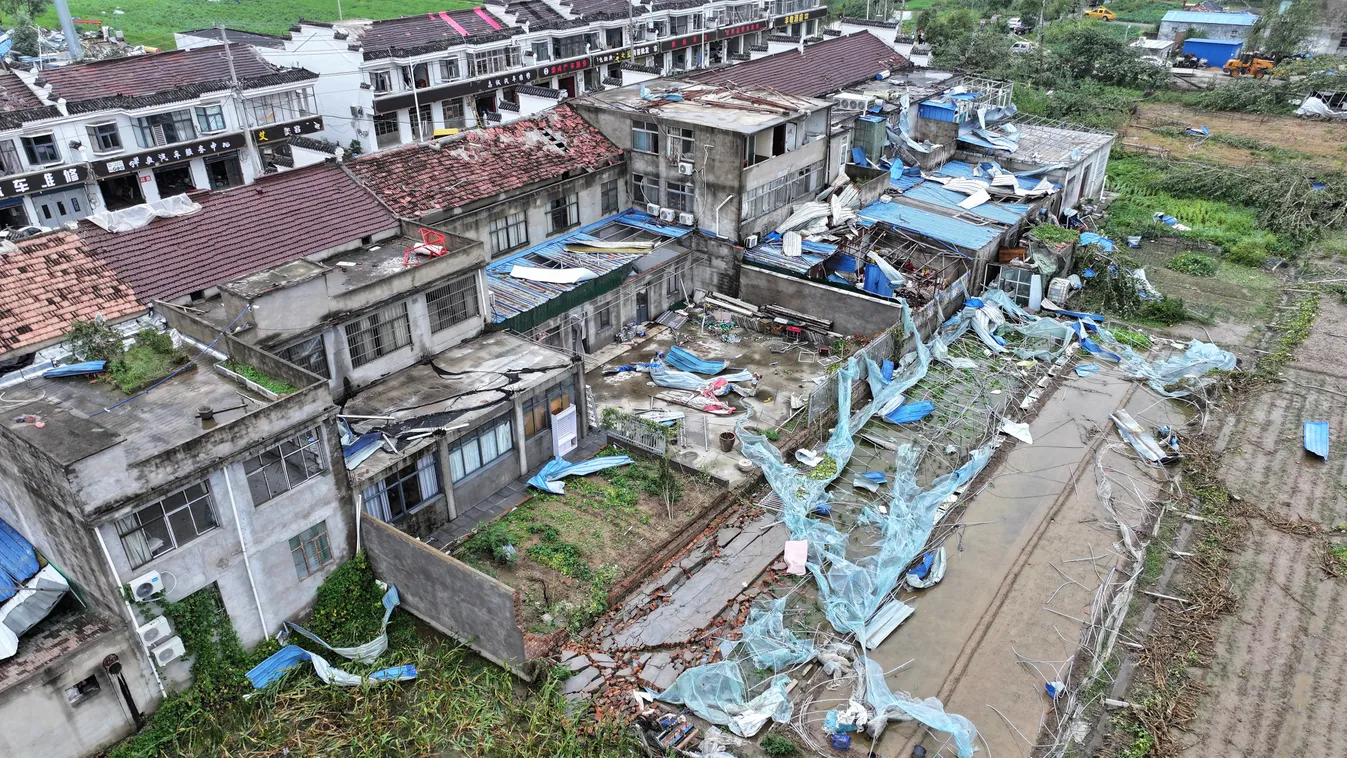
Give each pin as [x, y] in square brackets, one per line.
[349, 607]
[1166, 310]
[1247, 252]
[1192, 264]
[493, 540]
[778, 746]
[95, 341]
[157, 342]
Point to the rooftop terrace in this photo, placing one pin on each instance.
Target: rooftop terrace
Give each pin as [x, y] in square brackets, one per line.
[742, 110]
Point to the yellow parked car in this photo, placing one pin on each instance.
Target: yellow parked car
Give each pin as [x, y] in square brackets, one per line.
[1101, 13]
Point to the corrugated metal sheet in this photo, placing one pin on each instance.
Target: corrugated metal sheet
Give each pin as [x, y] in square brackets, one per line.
[1316, 438]
[934, 194]
[1200, 18]
[934, 111]
[770, 254]
[512, 297]
[18, 560]
[971, 237]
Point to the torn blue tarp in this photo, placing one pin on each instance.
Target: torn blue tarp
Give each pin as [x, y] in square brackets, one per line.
[716, 692]
[290, 656]
[18, 560]
[76, 369]
[769, 643]
[858, 156]
[875, 282]
[1316, 438]
[549, 478]
[1089, 345]
[664, 376]
[368, 652]
[1092, 238]
[686, 361]
[911, 412]
[361, 448]
[1201, 131]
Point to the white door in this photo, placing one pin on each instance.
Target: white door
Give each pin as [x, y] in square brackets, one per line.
[56, 208]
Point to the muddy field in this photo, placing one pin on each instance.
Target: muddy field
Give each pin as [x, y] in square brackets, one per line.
[1280, 137]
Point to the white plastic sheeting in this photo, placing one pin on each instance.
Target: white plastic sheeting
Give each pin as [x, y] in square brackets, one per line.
[552, 275]
[1174, 377]
[137, 216]
[29, 606]
[903, 707]
[716, 692]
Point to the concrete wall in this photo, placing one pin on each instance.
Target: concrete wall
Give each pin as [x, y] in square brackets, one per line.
[337, 88]
[717, 266]
[447, 594]
[39, 719]
[1171, 29]
[942, 133]
[850, 313]
[1327, 37]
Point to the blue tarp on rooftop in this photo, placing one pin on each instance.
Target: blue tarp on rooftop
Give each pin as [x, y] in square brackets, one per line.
[515, 296]
[770, 254]
[18, 560]
[968, 236]
[932, 193]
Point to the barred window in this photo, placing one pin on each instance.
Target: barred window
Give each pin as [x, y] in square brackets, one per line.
[478, 449]
[308, 354]
[453, 303]
[494, 61]
[310, 550]
[781, 191]
[644, 189]
[679, 196]
[167, 524]
[608, 193]
[284, 466]
[378, 334]
[563, 213]
[645, 136]
[509, 232]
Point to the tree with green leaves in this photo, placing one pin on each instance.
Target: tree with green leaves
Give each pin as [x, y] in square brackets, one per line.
[1284, 32]
[20, 15]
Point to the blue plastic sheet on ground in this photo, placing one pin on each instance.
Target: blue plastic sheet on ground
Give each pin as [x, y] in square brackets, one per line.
[923, 568]
[886, 370]
[910, 412]
[716, 692]
[930, 711]
[769, 643]
[370, 651]
[1086, 369]
[1089, 345]
[686, 361]
[1092, 238]
[548, 479]
[673, 378]
[290, 656]
[1173, 377]
[76, 369]
[1316, 438]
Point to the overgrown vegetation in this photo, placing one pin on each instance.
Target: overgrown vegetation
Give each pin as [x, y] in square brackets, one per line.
[779, 746]
[1193, 264]
[266, 381]
[1055, 235]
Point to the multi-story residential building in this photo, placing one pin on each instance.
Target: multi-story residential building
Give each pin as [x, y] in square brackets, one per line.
[111, 134]
[456, 70]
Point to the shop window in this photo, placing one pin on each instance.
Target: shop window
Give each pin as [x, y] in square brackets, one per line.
[121, 191]
[174, 180]
[224, 171]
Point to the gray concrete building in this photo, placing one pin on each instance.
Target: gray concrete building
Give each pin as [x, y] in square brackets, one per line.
[724, 160]
[1232, 26]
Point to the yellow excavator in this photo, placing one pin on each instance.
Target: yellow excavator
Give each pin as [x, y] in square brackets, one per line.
[1249, 64]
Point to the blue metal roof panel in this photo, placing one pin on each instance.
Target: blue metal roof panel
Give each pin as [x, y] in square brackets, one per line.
[769, 254]
[1200, 17]
[1316, 438]
[934, 194]
[963, 234]
[18, 560]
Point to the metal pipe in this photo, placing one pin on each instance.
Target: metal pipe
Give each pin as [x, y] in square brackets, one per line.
[243, 544]
[718, 207]
[131, 614]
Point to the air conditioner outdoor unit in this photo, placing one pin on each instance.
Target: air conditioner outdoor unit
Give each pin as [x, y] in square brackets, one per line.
[686, 219]
[667, 214]
[652, 209]
[357, 111]
[751, 240]
[685, 168]
[155, 632]
[169, 652]
[147, 585]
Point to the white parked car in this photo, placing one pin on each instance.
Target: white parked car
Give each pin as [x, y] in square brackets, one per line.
[1013, 23]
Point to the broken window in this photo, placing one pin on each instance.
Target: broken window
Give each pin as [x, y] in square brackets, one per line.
[645, 136]
[308, 354]
[563, 213]
[166, 524]
[490, 62]
[404, 490]
[103, 138]
[453, 114]
[608, 195]
[284, 466]
[164, 128]
[9, 158]
[508, 232]
[210, 118]
[678, 195]
[82, 690]
[378, 334]
[449, 70]
[644, 189]
[381, 81]
[686, 142]
[280, 106]
[311, 550]
[781, 191]
[479, 448]
[451, 304]
[678, 25]
[570, 47]
[423, 123]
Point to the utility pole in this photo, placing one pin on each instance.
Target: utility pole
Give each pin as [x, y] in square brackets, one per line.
[254, 154]
[72, 37]
[1039, 30]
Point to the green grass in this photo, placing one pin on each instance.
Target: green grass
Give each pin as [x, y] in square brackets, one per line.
[141, 366]
[153, 22]
[257, 377]
[1142, 11]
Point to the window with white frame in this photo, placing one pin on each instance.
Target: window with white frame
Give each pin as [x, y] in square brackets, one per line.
[508, 232]
[645, 136]
[308, 354]
[563, 213]
[378, 334]
[311, 550]
[494, 61]
[381, 81]
[210, 118]
[453, 303]
[164, 128]
[542, 50]
[423, 122]
[167, 524]
[608, 196]
[478, 449]
[104, 138]
[284, 466]
[538, 410]
[41, 149]
[679, 196]
[280, 106]
[686, 142]
[644, 189]
[404, 489]
[678, 25]
[449, 70]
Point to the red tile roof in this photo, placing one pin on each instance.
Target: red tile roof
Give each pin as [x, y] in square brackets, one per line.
[823, 68]
[417, 180]
[278, 218]
[14, 94]
[50, 281]
[140, 75]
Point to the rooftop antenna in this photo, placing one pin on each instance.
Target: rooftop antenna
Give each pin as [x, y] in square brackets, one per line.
[72, 37]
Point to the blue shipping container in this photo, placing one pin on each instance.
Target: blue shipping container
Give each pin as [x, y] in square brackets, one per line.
[1216, 51]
